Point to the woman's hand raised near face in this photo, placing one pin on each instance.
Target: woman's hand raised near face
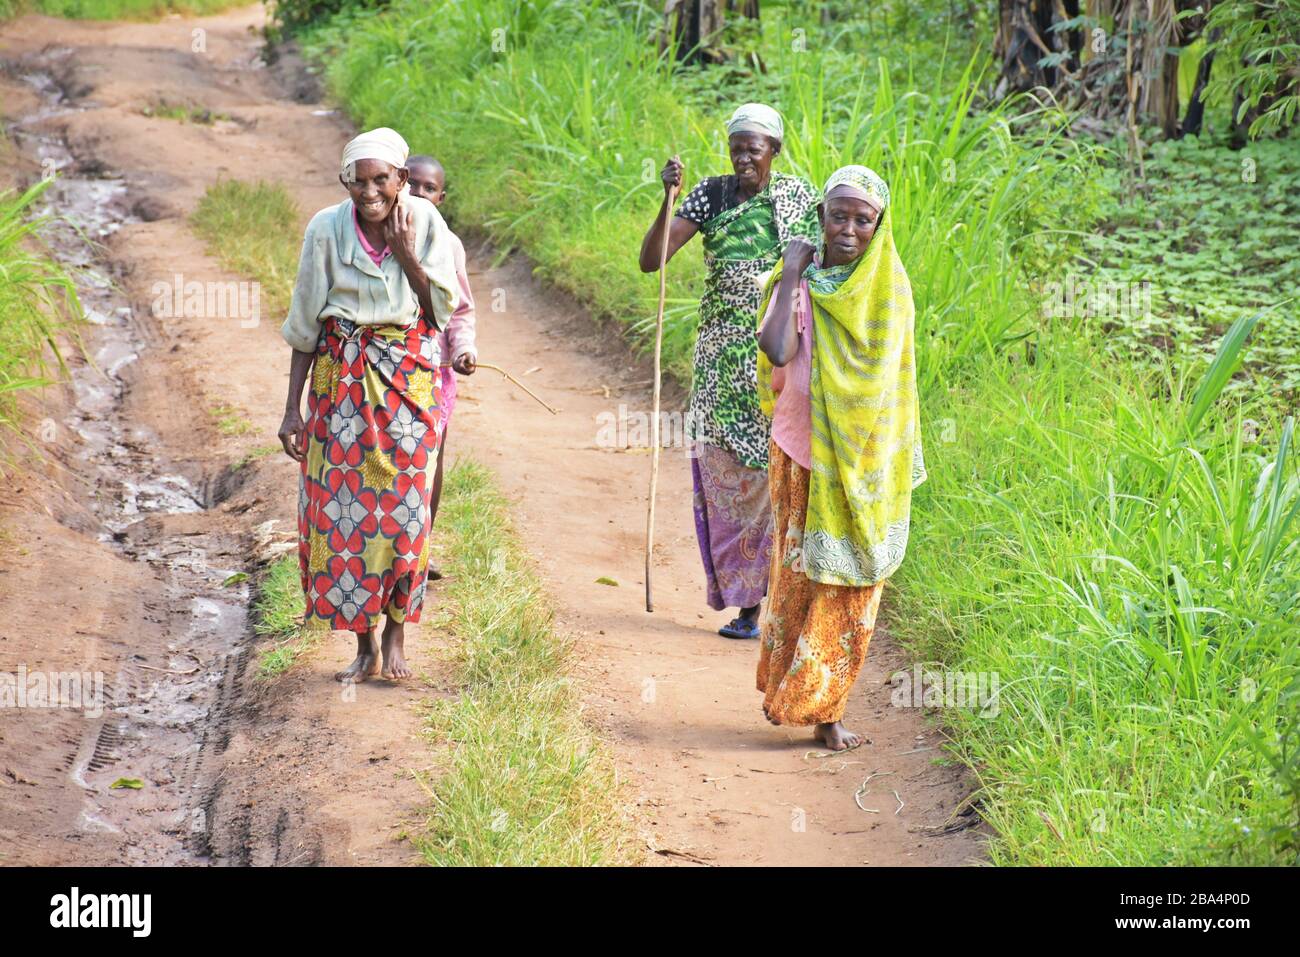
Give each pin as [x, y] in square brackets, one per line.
[399, 231]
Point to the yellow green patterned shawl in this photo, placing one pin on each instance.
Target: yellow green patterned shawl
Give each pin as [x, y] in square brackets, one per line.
[866, 439]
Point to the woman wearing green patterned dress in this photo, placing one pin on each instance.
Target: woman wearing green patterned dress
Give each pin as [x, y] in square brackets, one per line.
[745, 219]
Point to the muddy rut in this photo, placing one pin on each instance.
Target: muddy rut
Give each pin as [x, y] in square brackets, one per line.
[139, 506]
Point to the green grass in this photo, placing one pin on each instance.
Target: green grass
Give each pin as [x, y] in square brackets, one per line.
[117, 9]
[1122, 553]
[230, 420]
[38, 299]
[251, 456]
[184, 114]
[554, 145]
[277, 614]
[525, 781]
[1113, 538]
[253, 228]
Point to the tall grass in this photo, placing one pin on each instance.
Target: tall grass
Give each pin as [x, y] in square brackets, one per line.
[1123, 555]
[1118, 544]
[37, 298]
[554, 143]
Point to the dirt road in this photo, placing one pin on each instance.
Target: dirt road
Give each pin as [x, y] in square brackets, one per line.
[118, 541]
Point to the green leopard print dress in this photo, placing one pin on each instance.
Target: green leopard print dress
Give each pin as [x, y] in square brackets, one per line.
[741, 243]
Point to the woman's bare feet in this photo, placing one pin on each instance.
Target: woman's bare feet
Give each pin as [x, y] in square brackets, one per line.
[394, 661]
[366, 662]
[837, 737]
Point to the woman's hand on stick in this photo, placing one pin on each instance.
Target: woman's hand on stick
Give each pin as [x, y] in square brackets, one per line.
[672, 174]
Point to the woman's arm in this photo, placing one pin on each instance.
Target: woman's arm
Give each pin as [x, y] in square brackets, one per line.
[779, 337]
[293, 433]
[399, 231]
[680, 230]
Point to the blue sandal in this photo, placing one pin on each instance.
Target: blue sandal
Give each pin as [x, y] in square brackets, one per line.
[739, 628]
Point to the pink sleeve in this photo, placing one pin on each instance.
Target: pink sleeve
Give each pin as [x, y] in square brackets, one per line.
[460, 330]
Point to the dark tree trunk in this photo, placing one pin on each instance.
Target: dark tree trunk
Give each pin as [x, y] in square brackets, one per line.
[1024, 38]
[692, 24]
[1195, 116]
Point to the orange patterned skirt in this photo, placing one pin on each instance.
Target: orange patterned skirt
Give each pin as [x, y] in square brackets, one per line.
[814, 637]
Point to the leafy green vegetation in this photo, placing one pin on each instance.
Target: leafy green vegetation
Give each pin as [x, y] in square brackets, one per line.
[1114, 538]
[526, 781]
[1213, 231]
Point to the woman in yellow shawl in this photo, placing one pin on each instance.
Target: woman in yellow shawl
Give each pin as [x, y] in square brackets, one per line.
[837, 375]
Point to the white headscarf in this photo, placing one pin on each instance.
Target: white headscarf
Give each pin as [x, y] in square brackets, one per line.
[378, 144]
[757, 118]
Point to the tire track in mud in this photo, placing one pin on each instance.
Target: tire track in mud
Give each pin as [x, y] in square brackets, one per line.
[165, 705]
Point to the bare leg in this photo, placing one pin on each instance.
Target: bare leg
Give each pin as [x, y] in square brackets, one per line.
[394, 661]
[367, 661]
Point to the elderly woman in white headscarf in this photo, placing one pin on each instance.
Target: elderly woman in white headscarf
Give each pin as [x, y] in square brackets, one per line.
[376, 283]
[746, 219]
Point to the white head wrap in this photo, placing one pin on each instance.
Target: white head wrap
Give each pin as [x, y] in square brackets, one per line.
[757, 118]
[378, 144]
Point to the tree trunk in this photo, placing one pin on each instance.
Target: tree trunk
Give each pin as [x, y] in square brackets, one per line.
[692, 24]
[1024, 37]
[1195, 116]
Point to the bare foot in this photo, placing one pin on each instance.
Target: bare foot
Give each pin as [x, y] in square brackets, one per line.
[394, 661]
[366, 662]
[836, 737]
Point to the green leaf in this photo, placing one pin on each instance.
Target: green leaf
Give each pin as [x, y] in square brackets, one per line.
[235, 579]
[602, 580]
[134, 784]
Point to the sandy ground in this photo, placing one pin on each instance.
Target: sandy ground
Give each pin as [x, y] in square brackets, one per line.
[98, 576]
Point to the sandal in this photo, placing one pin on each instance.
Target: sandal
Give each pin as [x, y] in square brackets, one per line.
[739, 628]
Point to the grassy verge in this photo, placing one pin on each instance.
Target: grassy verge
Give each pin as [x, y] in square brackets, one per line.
[1115, 540]
[37, 297]
[526, 782]
[277, 614]
[253, 229]
[116, 9]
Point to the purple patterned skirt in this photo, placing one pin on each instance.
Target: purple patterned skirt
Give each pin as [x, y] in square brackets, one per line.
[733, 521]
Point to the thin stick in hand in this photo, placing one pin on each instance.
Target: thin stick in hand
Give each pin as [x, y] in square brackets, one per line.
[488, 365]
[654, 421]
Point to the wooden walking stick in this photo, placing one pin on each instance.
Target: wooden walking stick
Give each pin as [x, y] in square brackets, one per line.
[654, 422]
